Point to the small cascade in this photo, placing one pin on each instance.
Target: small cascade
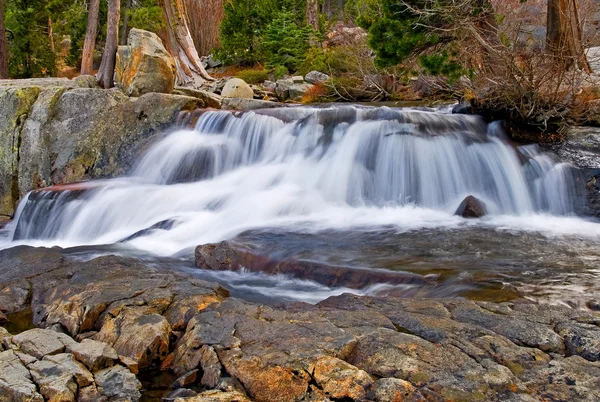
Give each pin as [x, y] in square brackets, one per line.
[328, 167]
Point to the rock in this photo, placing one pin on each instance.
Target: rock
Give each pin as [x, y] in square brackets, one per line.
[56, 382]
[282, 88]
[130, 363]
[179, 393]
[3, 318]
[68, 364]
[187, 379]
[581, 339]
[208, 99]
[248, 104]
[340, 380]
[462, 108]
[298, 79]
[297, 91]
[229, 256]
[216, 396]
[471, 207]
[42, 342]
[95, 355]
[144, 65]
[269, 86]
[61, 142]
[118, 382]
[91, 394]
[394, 389]
[316, 77]
[15, 380]
[237, 88]
[211, 367]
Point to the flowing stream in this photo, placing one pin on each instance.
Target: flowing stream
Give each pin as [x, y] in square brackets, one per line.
[358, 186]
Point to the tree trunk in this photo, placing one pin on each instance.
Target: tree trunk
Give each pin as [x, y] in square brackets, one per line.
[87, 59]
[312, 14]
[204, 20]
[125, 23]
[564, 37]
[106, 72]
[190, 71]
[50, 34]
[3, 46]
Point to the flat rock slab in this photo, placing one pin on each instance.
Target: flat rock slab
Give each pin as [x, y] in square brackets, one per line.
[346, 347]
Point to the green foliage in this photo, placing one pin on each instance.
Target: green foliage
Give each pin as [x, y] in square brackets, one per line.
[146, 14]
[71, 21]
[334, 61]
[280, 72]
[286, 43]
[245, 24]
[29, 52]
[253, 76]
[442, 64]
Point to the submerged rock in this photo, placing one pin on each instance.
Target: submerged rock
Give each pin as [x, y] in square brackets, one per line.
[144, 65]
[471, 207]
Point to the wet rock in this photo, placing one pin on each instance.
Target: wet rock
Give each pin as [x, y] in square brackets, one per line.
[463, 107]
[3, 318]
[339, 379]
[15, 380]
[215, 396]
[316, 77]
[396, 390]
[118, 382]
[95, 355]
[231, 257]
[144, 65]
[208, 99]
[42, 342]
[471, 207]
[248, 104]
[237, 88]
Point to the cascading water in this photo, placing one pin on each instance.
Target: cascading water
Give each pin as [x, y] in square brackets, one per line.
[305, 167]
[342, 186]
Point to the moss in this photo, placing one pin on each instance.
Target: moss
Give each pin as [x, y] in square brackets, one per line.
[516, 368]
[419, 377]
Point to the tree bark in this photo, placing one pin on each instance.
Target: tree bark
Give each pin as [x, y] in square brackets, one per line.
[50, 34]
[106, 72]
[204, 20]
[312, 14]
[87, 59]
[125, 24]
[190, 71]
[3, 46]
[564, 36]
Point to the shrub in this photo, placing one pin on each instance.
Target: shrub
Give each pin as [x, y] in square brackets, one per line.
[253, 76]
[286, 43]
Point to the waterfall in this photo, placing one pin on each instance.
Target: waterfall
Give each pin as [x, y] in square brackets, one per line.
[303, 167]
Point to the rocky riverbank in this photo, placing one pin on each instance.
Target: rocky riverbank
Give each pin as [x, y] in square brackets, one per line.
[112, 317]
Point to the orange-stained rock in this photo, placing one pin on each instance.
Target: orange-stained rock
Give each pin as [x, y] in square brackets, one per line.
[144, 65]
[339, 379]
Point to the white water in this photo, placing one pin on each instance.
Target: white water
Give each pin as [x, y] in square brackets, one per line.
[311, 169]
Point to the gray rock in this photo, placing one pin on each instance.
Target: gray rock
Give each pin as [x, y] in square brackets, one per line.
[118, 382]
[208, 99]
[67, 362]
[297, 91]
[42, 342]
[248, 104]
[211, 367]
[237, 88]
[316, 77]
[282, 88]
[394, 389]
[55, 381]
[144, 65]
[94, 354]
[298, 79]
[15, 380]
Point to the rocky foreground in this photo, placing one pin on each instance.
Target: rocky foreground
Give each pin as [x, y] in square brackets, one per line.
[111, 321]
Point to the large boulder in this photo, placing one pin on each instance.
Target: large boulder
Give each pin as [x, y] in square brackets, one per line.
[316, 77]
[144, 65]
[237, 88]
[47, 137]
